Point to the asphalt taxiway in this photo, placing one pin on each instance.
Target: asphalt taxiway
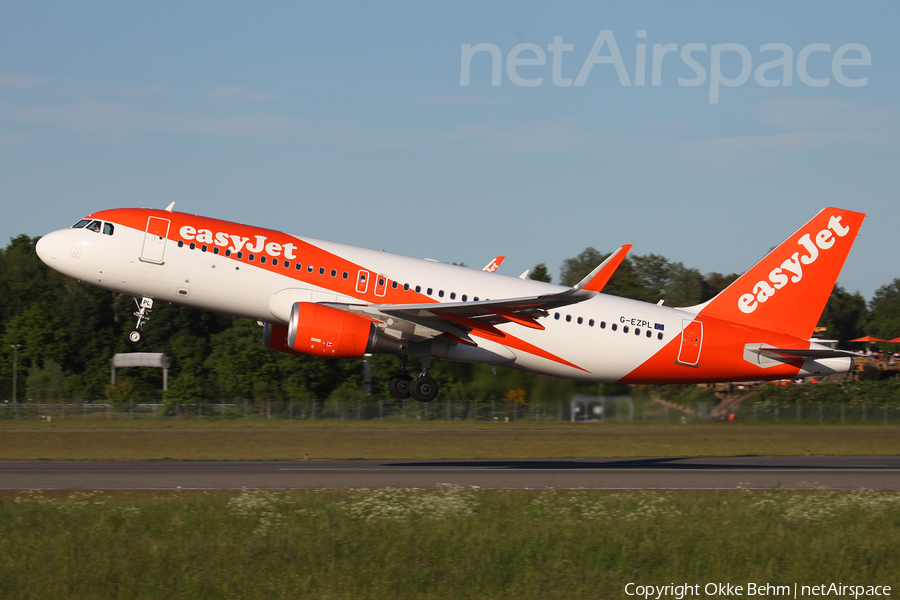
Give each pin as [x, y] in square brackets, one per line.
[835, 472]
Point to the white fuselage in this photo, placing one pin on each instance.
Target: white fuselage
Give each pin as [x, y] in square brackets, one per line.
[756, 329]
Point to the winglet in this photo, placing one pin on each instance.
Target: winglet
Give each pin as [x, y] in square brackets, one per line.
[599, 277]
[492, 266]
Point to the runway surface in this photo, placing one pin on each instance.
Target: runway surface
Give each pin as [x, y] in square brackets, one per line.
[842, 472]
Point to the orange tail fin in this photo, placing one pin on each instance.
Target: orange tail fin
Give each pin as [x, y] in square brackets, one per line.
[787, 290]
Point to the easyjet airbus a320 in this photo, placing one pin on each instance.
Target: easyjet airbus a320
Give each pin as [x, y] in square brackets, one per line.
[327, 299]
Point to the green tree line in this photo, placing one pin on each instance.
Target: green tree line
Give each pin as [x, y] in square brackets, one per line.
[67, 331]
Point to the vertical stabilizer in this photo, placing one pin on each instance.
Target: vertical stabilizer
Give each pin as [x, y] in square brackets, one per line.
[787, 290]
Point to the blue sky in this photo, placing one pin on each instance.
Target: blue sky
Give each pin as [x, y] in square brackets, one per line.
[348, 121]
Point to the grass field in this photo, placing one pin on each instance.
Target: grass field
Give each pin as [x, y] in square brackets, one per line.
[428, 442]
[450, 543]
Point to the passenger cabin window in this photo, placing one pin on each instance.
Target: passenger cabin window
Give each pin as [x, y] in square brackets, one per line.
[108, 229]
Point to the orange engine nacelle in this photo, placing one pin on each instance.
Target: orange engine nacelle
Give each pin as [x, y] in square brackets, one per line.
[318, 330]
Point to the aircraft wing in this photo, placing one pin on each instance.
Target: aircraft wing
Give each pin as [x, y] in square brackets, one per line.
[457, 319]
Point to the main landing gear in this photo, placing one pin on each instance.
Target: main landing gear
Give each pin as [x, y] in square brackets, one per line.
[135, 335]
[423, 388]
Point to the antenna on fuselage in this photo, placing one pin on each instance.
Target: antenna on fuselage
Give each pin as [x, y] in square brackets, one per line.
[170, 207]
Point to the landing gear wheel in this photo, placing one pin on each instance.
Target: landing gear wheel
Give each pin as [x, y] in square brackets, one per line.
[423, 388]
[398, 386]
[145, 306]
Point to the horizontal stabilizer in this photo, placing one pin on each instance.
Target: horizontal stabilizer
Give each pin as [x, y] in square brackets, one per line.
[808, 353]
[765, 355]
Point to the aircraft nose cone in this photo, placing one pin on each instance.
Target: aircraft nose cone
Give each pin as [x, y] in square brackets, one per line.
[46, 249]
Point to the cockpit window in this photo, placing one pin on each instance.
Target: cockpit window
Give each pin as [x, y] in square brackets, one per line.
[81, 223]
[94, 226]
[108, 229]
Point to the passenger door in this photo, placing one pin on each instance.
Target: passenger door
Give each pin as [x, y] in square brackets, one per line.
[691, 342]
[155, 236]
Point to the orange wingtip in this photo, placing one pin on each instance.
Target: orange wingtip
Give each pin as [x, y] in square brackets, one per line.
[492, 266]
[605, 271]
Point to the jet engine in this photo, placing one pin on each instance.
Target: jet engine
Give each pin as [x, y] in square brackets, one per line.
[317, 330]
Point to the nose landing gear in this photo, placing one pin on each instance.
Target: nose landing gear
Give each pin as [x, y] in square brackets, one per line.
[135, 335]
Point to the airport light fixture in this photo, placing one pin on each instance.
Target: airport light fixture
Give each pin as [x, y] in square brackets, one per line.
[15, 348]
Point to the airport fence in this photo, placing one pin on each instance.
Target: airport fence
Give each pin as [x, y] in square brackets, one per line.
[616, 409]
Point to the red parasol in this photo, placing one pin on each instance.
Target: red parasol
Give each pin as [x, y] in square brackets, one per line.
[894, 341]
[867, 338]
